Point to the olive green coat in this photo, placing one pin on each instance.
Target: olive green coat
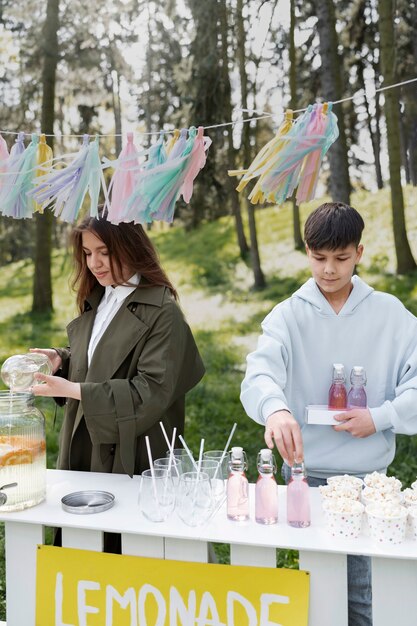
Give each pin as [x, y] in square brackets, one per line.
[140, 371]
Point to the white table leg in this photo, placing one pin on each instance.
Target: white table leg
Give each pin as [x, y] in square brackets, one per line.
[21, 549]
[252, 555]
[394, 592]
[328, 587]
[142, 545]
[186, 550]
[82, 538]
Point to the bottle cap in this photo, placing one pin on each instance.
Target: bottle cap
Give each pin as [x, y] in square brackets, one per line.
[236, 454]
[266, 455]
[338, 372]
[358, 375]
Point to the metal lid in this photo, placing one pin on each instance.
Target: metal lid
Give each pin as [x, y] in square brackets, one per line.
[87, 502]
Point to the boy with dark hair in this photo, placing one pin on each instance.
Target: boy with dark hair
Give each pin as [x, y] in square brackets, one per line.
[335, 317]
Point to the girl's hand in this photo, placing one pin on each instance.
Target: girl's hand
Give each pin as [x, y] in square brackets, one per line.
[52, 355]
[56, 387]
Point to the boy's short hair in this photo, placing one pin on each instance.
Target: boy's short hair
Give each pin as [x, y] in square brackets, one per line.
[333, 225]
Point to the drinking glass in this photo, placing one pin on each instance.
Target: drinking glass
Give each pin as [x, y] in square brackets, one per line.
[194, 498]
[216, 455]
[156, 495]
[214, 471]
[18, 370]
[181, 455]
[175, 469]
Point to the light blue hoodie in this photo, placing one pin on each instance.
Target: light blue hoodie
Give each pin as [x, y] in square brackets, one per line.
[292, 367]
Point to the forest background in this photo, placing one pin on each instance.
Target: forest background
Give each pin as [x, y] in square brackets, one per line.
[112, 66]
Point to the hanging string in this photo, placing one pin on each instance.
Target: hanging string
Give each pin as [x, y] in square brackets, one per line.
[263, 116]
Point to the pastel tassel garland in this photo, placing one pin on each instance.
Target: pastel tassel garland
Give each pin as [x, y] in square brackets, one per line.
[159, 188]
[21, 171]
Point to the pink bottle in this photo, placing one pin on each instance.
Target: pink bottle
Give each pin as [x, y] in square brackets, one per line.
[237, 487]
[357, 394]
[266, 490]
[337, 391]
[298, 498]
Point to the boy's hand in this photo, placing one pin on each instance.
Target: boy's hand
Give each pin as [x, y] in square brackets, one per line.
[282, 428]
[357, 422]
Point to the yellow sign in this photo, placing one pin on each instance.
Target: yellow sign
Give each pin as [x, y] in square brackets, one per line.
[83, 588]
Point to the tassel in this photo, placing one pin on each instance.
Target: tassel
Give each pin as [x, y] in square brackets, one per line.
[180, 144]
[21, 171]
[4, 155]
[262, 162]
[171, 143]
[283, 176]
[44, 160]
[123, 180]
[65, 189]
[324, 133]
[196, 163]
[256, 196]
[157, 153]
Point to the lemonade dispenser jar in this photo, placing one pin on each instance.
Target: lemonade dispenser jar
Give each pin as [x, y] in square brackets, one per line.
[22, 452]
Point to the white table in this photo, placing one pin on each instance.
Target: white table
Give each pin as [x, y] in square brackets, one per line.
[394, 567]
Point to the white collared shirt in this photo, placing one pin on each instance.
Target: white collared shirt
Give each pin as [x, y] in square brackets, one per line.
[110, 303]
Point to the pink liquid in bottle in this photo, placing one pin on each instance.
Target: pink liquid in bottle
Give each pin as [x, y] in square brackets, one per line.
[298, 498]
[266, 490]
[337, 391]
[237, 487]
[357, 394]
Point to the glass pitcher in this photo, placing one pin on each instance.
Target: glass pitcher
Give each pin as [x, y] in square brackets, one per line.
[22, 452]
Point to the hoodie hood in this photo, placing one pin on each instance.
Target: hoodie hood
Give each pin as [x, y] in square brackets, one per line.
[312, 294]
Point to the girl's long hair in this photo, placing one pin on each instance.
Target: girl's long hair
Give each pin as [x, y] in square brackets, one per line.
[128, 245]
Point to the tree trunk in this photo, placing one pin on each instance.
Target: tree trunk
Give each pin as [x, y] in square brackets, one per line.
[231, 154]
[117, 109]
[42, 280]
[373, 130]
[259, 278]
[331, 76]
[378, 141]
[412, 90]
[298, 239]
[405, 260]
[402, 116]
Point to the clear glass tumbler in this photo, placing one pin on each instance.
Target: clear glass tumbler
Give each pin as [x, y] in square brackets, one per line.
[181, 455]
[194, 498]
[216, 455]
[214, 471]
[156, 495]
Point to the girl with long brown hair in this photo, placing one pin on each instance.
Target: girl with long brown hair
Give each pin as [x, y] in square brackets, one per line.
[131, 356]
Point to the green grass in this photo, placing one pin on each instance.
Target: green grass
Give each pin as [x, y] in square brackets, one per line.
[204, 263]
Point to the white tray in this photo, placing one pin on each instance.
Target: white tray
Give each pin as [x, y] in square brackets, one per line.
[320, 414]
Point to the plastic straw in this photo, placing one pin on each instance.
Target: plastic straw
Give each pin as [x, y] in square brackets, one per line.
[171, 453]
[155, 494]
[200, 458]
[188, 451]
[165, 435]
[232, 432]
